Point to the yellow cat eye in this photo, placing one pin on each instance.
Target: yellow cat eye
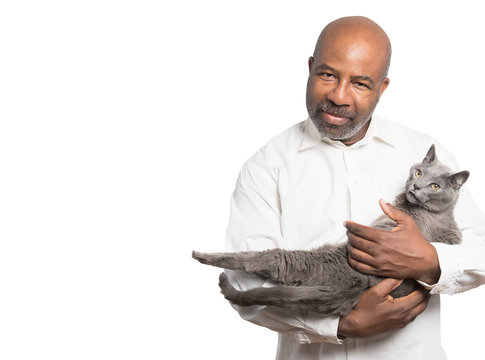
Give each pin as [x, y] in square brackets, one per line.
[435, 186]
[418, 173]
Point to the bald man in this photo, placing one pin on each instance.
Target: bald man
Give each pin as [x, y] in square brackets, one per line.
[297, 191]
[348, 74]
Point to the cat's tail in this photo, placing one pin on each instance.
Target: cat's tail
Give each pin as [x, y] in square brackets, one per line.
[320, 299]
[222, 260]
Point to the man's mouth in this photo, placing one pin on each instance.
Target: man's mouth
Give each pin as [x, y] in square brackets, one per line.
[335, 120]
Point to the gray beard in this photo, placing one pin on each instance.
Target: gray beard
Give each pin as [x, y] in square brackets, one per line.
[343, 132]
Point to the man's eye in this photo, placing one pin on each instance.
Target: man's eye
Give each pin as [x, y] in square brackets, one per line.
[326, 75]
[362, 85]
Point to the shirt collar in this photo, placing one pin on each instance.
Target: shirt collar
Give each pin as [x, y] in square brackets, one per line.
[311, 136]
[377, 130]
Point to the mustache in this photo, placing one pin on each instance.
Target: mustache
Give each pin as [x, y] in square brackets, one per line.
[335, 110]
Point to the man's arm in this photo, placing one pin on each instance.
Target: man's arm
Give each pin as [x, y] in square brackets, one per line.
[255, 225]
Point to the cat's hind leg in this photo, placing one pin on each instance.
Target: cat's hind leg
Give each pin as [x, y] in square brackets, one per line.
[222, 260]
[263, 263]
[320, 299]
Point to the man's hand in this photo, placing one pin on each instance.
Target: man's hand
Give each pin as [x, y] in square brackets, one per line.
[400, 253]
[377, 312]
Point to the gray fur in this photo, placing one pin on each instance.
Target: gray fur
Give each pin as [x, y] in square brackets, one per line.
[321, 280]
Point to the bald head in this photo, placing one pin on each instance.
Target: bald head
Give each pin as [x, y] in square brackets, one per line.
[357, 29]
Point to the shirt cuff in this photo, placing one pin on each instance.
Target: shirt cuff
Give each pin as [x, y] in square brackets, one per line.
[447, 255]
[426, 285]
[319, 329]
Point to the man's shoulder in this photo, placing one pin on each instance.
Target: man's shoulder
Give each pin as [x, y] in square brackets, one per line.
[279, 147]
[402, 133]
[402, 137]
[412, 141]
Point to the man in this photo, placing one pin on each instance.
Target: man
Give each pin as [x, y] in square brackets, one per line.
[297, 191]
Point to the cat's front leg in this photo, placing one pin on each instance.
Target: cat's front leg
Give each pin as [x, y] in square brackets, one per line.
[451, 237]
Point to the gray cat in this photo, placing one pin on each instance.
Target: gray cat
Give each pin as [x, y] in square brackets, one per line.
[321, 280]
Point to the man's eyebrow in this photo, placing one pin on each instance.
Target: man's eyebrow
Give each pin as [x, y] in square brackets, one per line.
[324, 66]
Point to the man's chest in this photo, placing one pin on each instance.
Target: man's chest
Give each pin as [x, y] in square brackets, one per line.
[322, 191]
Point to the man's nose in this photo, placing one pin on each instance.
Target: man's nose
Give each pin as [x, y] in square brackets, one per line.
[340, 94]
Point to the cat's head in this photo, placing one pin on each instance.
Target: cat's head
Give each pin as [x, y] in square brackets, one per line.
[432, 185]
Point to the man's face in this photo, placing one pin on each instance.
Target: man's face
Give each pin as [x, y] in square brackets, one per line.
[344, 86]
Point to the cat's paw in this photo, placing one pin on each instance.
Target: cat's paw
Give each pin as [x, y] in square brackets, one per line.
[200, 256]
[226, 288]
[224, 282]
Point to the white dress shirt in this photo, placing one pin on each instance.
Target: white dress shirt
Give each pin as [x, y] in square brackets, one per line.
[296, 192]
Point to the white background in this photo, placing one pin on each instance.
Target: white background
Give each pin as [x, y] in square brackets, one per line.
[123, 126]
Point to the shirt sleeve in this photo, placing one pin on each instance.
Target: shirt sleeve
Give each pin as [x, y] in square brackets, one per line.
[463, 266]
[254, 225]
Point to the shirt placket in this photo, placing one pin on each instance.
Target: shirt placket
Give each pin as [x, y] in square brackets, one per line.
[352, 180]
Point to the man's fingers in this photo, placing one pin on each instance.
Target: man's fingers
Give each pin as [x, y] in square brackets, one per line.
[372, 233]
[415, 303]
[361, 244]
[415, 298]
[363, 268]
[363, 231]
[388, 209]
[386, 286]
[419, 308]
[392, 212]
[361, 255]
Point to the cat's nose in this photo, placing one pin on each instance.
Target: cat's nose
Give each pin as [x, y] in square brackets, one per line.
[416, 187]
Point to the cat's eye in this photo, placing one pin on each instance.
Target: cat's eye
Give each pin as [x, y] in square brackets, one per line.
[435, 186]
[418, 173]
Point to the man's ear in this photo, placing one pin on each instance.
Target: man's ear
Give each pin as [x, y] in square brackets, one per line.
[310, 63]
[383, 86]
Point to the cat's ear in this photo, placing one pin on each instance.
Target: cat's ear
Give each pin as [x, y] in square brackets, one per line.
[458, 179]
[430, 157]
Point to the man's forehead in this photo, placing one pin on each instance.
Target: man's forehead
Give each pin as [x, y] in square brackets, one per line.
[361, 57]
[364, 64]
